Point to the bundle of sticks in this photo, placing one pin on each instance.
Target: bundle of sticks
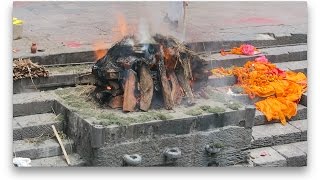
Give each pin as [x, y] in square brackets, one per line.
[131, 74]
[25, 68]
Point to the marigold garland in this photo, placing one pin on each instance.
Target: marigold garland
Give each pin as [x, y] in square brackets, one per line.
[244, 49]
[282, 90]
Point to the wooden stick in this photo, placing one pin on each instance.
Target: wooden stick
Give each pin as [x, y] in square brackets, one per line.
[61, 145]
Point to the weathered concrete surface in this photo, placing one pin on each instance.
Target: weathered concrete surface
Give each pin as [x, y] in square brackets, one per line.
[304, 99]
[303, 146]
[302, 125]
[59, 161]
[274, 134]
[267, 157]
[35, 125]
[46, 148]
[234, 139]
[68, 27]
[116, 134]
[296, 66]
[274, 55]
[294, 156]
[51, 82]
[32, 103]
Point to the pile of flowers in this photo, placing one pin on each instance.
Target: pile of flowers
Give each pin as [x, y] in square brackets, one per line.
[280, 89]
[244, 49]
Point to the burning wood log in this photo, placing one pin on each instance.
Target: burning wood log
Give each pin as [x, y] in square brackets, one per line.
[176, 93]
[129, 98]
[166, 89]
[185, 84]
[164, 67]
[146, 88]
[116, 102]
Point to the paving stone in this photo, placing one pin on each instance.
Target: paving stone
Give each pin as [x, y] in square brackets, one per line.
[294, 156]
[302, 125]
[267, 157]
[274, 134]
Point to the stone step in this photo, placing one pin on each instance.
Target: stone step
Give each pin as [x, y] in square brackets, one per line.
[52, 82]
[245, 99]
[303, 99]
[286, 155]
[59, 161]
[32, 103]
[297, 66]
[261, 119]
[277, 134]
[273, 54]
[42, 149]
[38, 125]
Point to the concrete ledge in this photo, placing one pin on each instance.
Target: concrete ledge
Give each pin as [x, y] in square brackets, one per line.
[274, 55]
[77, 56]
[116, 134]
[47, 148]
[51, 82]
[59, 161]
[302, 125]
[294, 156]
[234, 139]
[274, 134]
[304, 99]
[277, 40]
[32, 103]
[35, 126]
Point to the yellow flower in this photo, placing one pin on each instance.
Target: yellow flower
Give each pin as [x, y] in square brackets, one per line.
[17, 21]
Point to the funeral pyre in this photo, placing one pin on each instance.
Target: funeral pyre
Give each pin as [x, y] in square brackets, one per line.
[160, 73]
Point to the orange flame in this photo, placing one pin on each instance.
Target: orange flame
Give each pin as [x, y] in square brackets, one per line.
[121, 28]
[100, 50]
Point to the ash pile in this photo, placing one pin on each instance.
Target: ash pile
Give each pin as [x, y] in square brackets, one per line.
[163, 73]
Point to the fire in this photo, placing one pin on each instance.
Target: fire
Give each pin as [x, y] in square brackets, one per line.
[121, 28]
[108, 87]
[100, 50]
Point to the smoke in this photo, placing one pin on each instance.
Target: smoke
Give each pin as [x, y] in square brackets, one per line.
[144, 35]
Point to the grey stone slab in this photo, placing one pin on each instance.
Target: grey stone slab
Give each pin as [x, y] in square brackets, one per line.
[294, 156]
[267, 157]
[41, 149]
[32, 97]
[222, 81]
[304, 99]
[59, 161]
[302, 125]
[35, 125]
[297, 66]
[303, 145]
[274, 55]
[37, 119]
[274, 134]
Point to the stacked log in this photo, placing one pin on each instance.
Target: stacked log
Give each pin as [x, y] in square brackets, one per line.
[24, 68]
